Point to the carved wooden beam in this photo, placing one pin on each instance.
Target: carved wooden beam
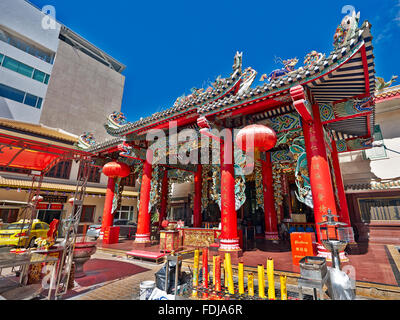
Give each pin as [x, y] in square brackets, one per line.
[301, 103]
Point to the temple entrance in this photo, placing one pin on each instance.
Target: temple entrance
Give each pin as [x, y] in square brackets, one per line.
[251, 215]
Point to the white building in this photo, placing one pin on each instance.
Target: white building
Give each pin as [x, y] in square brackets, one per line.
[45, 73]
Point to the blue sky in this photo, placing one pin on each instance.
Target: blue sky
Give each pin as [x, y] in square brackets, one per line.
[172, 46]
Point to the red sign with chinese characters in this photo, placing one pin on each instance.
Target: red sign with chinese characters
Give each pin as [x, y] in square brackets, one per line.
[42, 206]
[302, 246]
[55, 206]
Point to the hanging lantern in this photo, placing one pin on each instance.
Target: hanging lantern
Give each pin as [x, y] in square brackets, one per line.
[259, 138]
[37, 198]
[116, 169]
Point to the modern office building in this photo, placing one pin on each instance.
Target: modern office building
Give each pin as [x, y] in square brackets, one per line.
[50, 76]
[54, 84]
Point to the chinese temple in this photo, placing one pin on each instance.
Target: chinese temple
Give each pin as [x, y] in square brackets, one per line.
[309, 114]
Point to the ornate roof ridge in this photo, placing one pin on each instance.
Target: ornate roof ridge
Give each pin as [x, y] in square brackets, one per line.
[294, 78]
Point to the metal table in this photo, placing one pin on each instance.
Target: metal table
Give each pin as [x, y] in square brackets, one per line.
[12, 260]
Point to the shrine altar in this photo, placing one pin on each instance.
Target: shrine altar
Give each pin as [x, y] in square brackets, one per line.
[199, 238]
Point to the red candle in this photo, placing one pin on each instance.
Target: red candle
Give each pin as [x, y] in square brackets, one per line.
[205, 271]
[218, 274]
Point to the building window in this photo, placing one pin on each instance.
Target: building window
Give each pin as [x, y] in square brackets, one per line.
[24, 69]
[15, 170]
[9, 215]
[94, 174]
[60, 171]
[126, 213]
[20, 96]
[379, 209]
[88, 214]
[129, 181]
[376, 153]
[11, 93]
[18, 43]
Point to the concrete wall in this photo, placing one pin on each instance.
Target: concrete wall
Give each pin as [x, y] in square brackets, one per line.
[82, 92]
[26, 20]
[357, 170]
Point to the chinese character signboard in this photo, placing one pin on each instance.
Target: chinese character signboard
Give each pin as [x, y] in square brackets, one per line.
[302, 246]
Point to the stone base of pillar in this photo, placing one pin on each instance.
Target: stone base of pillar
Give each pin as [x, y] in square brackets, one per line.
[142, 241]
[235, 255]
[230, 246]
[322, 252]
[271, 236]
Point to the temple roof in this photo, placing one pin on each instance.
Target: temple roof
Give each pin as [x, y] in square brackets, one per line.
[348, 72]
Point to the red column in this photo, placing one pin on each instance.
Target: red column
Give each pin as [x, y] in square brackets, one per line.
[197, 197]
[164, 197]
[108, 217]
[229, 240]
[271, 223]
[320, 177]
[344, 209]
[143, 227]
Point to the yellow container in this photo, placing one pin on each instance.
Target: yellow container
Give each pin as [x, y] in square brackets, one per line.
[261, 280]
[250, 284]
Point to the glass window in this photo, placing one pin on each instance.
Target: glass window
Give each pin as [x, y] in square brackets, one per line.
[38, 226]
[16, 66]
[39, 104]
[39, 75]
[46, 79]
[30, 100]
[11, 93]
[10, 64]
[88, 213]
[27, 47]
[378, 209]
[1, 58]
[94, 174]
[25, 70]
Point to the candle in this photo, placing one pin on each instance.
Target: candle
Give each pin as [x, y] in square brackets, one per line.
[261, 285]
[205, 272]
[218, 274]
[250, 284]
[231, 287]
[283, 288]
[271, 281]
[241, 280]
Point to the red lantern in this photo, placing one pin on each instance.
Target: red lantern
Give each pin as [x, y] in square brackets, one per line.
[116, 169]
[260, 138]
[165, 224]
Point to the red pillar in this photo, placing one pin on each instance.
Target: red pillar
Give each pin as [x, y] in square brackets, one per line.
[344, 209]
[164, 199]
[320, 177]
[229, 240]
[271, 223]
[143, 226]
[108, 217]
[197, 221]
